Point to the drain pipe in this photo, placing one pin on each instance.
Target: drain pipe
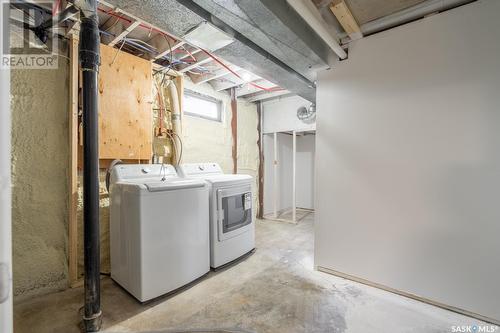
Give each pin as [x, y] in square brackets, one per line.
[89, 61]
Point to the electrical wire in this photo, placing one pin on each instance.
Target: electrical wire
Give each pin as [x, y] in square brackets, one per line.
[55, 8]
[189, 53]
[116, 54]
[110, 12]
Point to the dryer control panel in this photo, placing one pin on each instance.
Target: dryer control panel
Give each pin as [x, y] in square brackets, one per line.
[191, 169]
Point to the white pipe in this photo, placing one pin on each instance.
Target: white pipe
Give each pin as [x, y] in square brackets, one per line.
[275, 175]
[307, 10]
[408, 15]
[6, 314]
[294, 173]
[176, 121]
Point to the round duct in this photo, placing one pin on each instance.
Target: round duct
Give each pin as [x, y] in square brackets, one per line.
[307, 114]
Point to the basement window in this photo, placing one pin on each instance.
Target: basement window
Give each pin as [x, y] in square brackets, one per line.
[202, 106]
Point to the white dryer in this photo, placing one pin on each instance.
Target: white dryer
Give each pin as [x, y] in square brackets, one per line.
[232, 225]
[159, 233]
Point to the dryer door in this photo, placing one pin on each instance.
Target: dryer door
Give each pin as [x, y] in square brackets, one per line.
[234, 205]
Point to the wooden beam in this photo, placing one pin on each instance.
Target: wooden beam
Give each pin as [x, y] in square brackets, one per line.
[179, 83]
[234, 129]
[73, 164]
[124, 33]
[341, 11]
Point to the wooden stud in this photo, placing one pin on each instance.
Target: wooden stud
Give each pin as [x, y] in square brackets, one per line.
[73, 164]
[179, 83]
[341, 11]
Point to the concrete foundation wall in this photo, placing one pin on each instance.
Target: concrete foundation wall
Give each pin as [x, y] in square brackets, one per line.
[408, 169]
[211, 141]
[39, 103]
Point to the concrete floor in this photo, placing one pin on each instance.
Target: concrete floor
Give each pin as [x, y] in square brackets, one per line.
[273, 290]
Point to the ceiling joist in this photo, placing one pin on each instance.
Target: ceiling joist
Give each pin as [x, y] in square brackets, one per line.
[166, 51]
[124, 33]
[268, 95]
[202, 59]
[343, 14]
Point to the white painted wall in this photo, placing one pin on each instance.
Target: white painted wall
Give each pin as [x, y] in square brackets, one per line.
[280, 115]
[285, 175]
[408, 159]
[305, 170]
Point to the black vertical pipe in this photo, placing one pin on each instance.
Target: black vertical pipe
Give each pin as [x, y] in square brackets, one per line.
[89, 61]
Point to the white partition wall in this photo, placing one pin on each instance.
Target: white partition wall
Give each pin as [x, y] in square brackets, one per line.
[306, 147]
[288, 176]
[280, 115]
[408, 160]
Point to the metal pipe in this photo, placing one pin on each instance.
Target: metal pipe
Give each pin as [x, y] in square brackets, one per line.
[89, 61]
[176, 121]
[408, 15]
[313, 18]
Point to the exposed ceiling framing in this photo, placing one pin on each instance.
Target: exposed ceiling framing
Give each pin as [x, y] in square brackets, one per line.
[272, 49]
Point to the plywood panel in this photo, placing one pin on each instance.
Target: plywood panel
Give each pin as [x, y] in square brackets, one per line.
[125, 119]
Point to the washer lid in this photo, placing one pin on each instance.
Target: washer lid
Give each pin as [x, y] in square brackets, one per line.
[174, 184]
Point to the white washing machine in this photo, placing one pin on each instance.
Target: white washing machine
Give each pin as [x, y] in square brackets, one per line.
[232, 226]
[159, 233]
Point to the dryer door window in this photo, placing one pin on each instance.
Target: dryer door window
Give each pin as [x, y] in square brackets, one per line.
[234, 211]
[237, 211]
